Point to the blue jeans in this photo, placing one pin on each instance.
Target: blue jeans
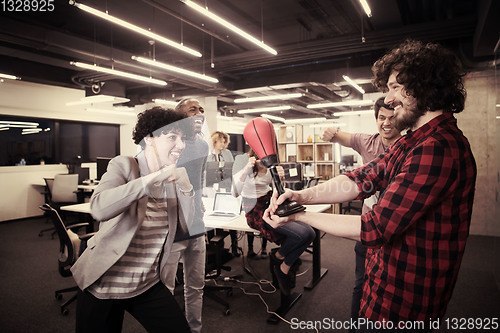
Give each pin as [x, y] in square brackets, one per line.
[298, 236]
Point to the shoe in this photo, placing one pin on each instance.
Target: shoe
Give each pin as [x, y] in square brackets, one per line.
[283, 281]
[251, 254]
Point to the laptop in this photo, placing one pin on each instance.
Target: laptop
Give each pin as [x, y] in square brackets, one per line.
[225, 206]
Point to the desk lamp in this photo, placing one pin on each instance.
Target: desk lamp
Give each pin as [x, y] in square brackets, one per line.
[260, 136]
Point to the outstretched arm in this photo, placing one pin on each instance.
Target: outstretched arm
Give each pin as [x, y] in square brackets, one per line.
[346, 226]
[336, 190]
[332, 134]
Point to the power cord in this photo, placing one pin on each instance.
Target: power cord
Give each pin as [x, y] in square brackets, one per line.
[259, 284]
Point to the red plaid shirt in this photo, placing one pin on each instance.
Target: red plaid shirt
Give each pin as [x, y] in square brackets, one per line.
[420, 225]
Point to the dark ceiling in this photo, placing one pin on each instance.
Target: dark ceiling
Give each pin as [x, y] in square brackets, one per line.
[317, 42]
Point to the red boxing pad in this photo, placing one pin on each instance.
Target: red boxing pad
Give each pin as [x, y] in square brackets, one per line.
[260, 136]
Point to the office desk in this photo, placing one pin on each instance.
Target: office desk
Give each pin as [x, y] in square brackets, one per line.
[240, 224]
[84, 209]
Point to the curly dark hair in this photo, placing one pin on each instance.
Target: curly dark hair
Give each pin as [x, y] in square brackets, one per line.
[429, 72]
[156, 120]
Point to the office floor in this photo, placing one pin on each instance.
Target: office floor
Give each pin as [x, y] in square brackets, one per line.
[28, 278]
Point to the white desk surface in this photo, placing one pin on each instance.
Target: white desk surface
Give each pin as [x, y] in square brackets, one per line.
[240, 223]
[78, 208]
[87, 187]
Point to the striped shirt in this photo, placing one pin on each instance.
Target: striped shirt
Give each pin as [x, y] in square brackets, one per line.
[138, 269]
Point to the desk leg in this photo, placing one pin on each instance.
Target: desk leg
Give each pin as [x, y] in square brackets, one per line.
[318, 272]
[286, 304]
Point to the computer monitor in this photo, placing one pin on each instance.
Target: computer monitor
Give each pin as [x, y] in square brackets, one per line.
[293, 171]
[293, 176]
[217, 174]
[213, 174]
[347, 160]
[102, 166]
[83, 173]
[227, 171]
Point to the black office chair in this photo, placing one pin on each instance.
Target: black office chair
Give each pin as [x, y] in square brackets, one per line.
[313, 181]
[60, 191]
[69, 249]
[217, 256]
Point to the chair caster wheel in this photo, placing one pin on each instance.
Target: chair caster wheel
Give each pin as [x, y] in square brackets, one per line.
[64, 312]
[40, 234]
[227, 312]
[59, 297]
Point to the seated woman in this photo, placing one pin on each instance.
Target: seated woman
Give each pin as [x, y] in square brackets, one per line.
[140, 202]
[253, 183]
[220, 153]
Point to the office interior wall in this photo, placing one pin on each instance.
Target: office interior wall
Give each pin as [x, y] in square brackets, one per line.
[22, 188]
[19, 199]
[477, 122]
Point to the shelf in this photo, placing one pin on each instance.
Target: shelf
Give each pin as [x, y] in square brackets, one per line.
[305, 152]
[282, 152]
[324, 152]
[327, 171]
[290, 134]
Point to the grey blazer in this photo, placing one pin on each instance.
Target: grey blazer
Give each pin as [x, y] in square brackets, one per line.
[226, 155]
[119, 203]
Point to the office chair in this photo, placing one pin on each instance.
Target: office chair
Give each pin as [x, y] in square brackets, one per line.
[216, 257]
[69, 248]
[60, 191]
[311, 182]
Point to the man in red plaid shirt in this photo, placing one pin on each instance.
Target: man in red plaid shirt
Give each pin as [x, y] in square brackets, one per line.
[419, 227]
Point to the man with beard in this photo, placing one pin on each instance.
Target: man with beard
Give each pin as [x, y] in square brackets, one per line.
[419, 227]
[189, 243]
[369, 146]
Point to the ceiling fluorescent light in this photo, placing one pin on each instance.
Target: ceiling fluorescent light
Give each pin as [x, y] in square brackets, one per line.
[268, 98]
[165, 102]
[20, 124]
[268, 109]
[135, 28]
[175, 69]
[271, 117]
[118, 73]
[251, 90]
[353, 113]
[344, 103]
[354, 84]
[99, 99]
[305, 120]
[10, 77]
[31, 130]
[366, 8]
[228, 25]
